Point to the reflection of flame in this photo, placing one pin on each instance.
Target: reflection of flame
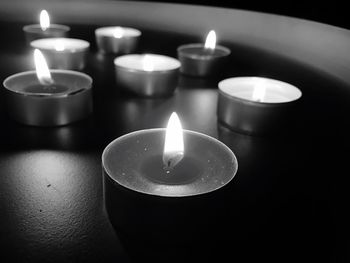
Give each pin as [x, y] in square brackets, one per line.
[42, 70]
[147, 63]
[59, 46]
[210, 42]
[44, 20]
[259, 92]
[118, 32]
[174, 145]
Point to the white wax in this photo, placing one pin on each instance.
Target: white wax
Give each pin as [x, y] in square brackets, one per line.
[60, 44]
[117, 31]
[147, 62]
[275, 91]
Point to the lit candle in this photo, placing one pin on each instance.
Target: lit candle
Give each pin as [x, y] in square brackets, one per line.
[148, 75]
[117, 40]
[255, 104]
[202, 60]
[63, 53]
[48, 97]
[169, 162]
[45, 29]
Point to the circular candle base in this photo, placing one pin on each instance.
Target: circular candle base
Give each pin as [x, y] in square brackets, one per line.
[160, 82]
[131, 159]
[68, 100]
[108, 43]
[33, 32]
[200, 62]
[238, 111]
[72, 54]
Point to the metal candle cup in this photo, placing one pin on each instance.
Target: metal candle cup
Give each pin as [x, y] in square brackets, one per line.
[63, 53]
[198, 61]
[256, 105]
[147, 75]
[68, 99]
[33, 32]
[117, 40]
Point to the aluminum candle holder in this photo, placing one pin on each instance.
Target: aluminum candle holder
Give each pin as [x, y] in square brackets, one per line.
[147, 75]
[68, 99]
[63, 53]
[117, 40]
[255, 105]
[198, 62]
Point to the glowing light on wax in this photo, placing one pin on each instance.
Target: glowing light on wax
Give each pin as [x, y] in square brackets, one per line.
[42, 70]
[44, 20]
[210, 42]
[118, 32]
[59, 46]
[173, 145]
[259, 91]
[147, 63]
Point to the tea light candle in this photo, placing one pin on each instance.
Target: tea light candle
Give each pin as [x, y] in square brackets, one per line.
[147, 75]
[63, 53]
[254, 104]
[48, 97]
[117, 40]
[44, 29]
[203, 60]
[169, 162]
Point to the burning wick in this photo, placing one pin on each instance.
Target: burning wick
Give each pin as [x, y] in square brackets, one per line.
[42, 70]
[210, 42]
[118, 32]
[174, 145]
[44, 20]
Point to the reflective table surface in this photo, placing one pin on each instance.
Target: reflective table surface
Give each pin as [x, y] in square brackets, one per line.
[287, 203]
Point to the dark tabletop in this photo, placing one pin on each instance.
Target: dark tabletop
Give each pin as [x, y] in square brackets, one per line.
[287, 203]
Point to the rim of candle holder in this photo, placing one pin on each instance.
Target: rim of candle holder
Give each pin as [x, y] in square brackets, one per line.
[201, 45]
[32, 27]
[98, 32]
[54, 71]
[234, 163]
[36, 44]
[146, 72]
[253, 102]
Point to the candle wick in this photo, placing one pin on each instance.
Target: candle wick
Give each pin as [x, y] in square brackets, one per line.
[171, 162]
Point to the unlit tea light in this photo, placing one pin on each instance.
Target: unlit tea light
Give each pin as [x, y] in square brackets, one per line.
[45, 29]
[201, 60]
[63, 53]
[169, 162]
[148, 75]
[48, 97]
[255, 104]
[117, 40]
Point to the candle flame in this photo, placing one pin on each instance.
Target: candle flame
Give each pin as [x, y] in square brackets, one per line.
[210, 42]
[174, 145]
[44, 20]
[59, 46]
[259, 92]
[42, 70]
[118, 32]
[147, 63]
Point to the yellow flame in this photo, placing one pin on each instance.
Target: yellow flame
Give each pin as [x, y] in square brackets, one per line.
[118, 32]
[259, 92]
[147, 63]
[210, 42]
[174, 144]
[59, 46]
[42, 70]
[44, 20]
